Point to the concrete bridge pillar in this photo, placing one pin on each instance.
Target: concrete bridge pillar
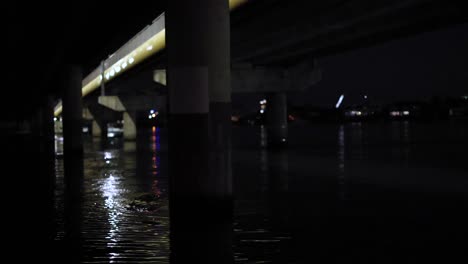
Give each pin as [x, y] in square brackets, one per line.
[73, 155]
[130, 105]
[72, 113]
[129, 125]
[277, 122]
[98, 125]
[101, 116]
[96, 129]
[199, 124]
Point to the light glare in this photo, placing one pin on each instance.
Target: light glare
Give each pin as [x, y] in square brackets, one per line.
[340, 100]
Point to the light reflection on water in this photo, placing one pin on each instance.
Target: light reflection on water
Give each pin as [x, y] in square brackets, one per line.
[337, 188]
[116, 173]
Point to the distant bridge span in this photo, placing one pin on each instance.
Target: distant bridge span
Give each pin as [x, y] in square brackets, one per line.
[151, 40]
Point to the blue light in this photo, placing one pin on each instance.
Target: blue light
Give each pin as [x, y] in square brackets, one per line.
[339, 101]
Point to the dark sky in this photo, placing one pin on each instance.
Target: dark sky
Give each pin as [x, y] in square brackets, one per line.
[413, 68]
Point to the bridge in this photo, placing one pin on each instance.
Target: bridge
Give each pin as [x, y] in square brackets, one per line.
[268, 62]
[210, 49]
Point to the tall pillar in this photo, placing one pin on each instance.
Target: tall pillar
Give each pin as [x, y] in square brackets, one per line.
[48, 162]
[219, 78]
[72, 113]
[199, 138]
[129, 126]
[73, 158]
[277, 122]
[41, 165]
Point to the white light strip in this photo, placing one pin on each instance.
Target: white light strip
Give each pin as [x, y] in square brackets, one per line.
[339, 101]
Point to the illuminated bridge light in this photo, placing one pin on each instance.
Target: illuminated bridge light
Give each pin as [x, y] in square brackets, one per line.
[124, 65]
[150, 47]
[117, 68]
[131, 60]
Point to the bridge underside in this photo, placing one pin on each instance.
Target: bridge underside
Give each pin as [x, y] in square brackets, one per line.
[275, 32]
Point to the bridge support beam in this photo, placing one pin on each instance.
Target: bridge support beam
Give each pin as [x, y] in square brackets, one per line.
[129, 106]
[96, 129]
[129, 126]
[73, 157]
[200, 102]
[101, 116]
[277, 122]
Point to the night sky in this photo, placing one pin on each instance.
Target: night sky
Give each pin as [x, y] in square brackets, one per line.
[413, 68]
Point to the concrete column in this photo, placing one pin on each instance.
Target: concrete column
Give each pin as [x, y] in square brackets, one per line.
[48, 163]
[72, 113]
[101, 117]
[96, 129]
[129, 126]
[42, 166]
[277, 122]
[73, 157]
[199, 103]
[219, 61]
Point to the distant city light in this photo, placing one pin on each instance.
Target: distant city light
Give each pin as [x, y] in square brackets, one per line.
[465, 97]
[107, 155]
[353, 113]
[340, 100]
[264, 101]
[55, 119]
[262, 111]
[365, 96]
[405, 113]
[153, 114]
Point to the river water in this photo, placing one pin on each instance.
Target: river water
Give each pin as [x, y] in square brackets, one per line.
[389, 192]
